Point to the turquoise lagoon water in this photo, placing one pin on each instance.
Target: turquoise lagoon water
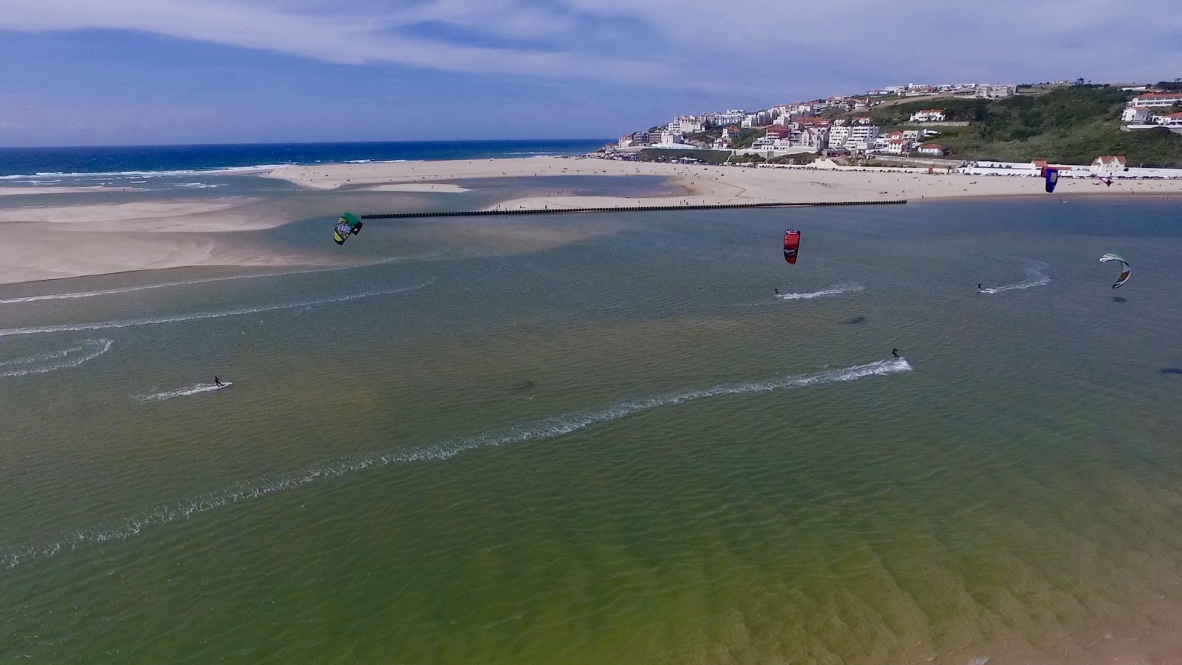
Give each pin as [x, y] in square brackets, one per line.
[603, 438]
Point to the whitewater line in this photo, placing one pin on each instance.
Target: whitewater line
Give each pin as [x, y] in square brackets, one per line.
[206, 280]
[539, 430]
[1034, 277]
[65, 359]
[828, 291]
[194, 389]
[103, 325]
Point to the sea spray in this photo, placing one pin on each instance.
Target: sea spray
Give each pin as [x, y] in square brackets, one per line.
[206, 280]
[823, 293]
[104, 325]
[538, 430]
[187, 391]
[51, 361]
[1034, 277]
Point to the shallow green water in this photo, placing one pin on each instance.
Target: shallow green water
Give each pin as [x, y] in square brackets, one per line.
[601, 438]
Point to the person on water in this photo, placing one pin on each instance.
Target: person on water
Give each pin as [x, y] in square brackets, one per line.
[895, 352]
[218, 382]
[777, 291]
[979, 285]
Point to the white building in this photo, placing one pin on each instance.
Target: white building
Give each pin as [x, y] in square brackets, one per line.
[928, 115]
[1135, 115]
[1157, 99]
[995, 91]
[669, 137]
[934, 149]
[728, 117]
[862, 137]
[1171, 120]
[838, 136]
[687, 124]
[1107, 165]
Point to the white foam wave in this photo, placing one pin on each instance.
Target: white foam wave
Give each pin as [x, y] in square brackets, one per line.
[823, 293]
[540, 430]
[43, 363]
[146, 174]
[195, 389]
[207, 280]
[104, 325]
[195, 185]
[1034, 277]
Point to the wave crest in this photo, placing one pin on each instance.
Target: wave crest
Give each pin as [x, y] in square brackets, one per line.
[51, 361]
[539, 430]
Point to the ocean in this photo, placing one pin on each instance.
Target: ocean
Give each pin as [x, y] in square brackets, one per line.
[110, 165]
[607, 438]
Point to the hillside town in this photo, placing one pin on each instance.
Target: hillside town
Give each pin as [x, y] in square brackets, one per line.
[817, 126]
[843, 128]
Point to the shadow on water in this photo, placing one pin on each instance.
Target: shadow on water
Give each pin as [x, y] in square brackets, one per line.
[1119, 299]
[1171, 370]
[854, 321]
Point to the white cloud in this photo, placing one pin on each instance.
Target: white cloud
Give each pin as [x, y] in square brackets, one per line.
[774, 47]
[373, 35]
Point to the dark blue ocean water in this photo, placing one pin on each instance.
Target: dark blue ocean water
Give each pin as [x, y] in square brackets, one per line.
[27, 163]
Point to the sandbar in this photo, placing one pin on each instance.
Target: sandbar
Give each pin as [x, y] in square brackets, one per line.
[701, 184]
[53, 242]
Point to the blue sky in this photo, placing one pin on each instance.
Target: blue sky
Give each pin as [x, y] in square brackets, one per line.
[119, 72]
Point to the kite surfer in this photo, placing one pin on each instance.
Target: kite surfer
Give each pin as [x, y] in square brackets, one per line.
[777, 290]
[895, 352]
[218, 383]
[979, 285]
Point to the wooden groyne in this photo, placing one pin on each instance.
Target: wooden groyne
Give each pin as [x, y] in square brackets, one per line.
[561, 211]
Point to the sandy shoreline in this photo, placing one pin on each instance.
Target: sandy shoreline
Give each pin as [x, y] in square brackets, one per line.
[61, 240]
[707, 184]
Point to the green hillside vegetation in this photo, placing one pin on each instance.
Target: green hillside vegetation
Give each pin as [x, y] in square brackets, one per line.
[1071, 125]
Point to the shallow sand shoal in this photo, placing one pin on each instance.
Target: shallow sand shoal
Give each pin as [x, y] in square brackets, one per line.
[60, 241]
[32, 252]
[710, 184]
[182, 216]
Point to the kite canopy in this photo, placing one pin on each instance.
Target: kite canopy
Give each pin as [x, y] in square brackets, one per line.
[349, 224]
[1125, 270]
[1052, 175]
[791, 245]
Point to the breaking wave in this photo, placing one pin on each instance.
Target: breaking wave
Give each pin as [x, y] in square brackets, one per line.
[205, 280]
[104, 325]
[1034, 277]
[51, 361]
[195, 389]
[823, 293]
[539, 430]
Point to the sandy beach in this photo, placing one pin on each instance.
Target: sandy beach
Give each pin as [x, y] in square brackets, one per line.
[709, 184]
[62, 240]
